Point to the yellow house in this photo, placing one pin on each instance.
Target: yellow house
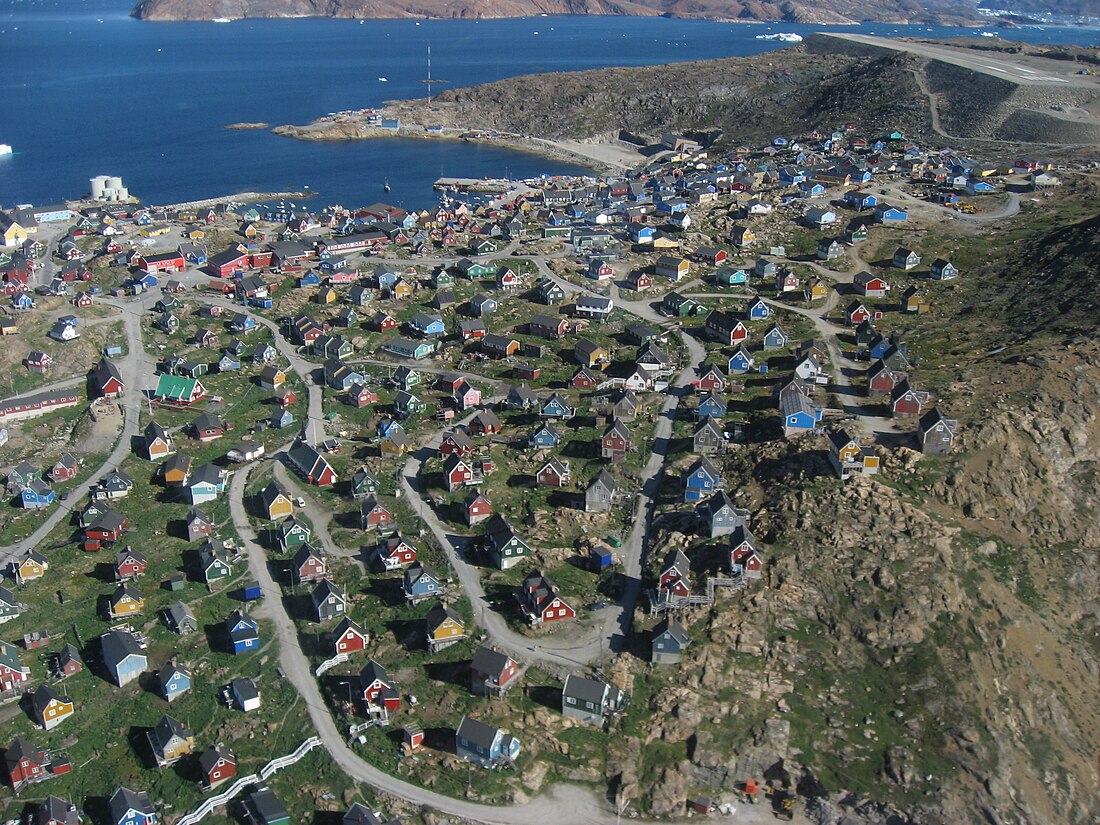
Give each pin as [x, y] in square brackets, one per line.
[30, 567]
[816, 290]
[276, 503]
[394, 445]
[662, 241]
[50, 708]
[12, 233]
[445, 627]
[402, 289]
[196, 234]
[126, 601]
[327, 295]
[742, 236]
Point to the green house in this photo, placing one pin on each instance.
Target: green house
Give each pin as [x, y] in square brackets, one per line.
[551, 292]
[472, 269]
[293, 534]
[442, 278]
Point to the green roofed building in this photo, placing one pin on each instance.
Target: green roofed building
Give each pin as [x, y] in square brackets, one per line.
[179, 390]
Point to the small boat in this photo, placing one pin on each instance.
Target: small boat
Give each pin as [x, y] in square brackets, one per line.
[5, 149]
[222, 20]
[386, 185]
[383, 80]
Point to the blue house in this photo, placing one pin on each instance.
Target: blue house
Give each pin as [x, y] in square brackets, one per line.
[642, 234]
[389, 426]
[244, 632]
[309, 279]
[885, 213]
[979, 187]
[262, 303]
[731, 276]
[811, 189]
[546, 437]
[421, 583]
[740, 361]
[123, 656]
[483, 744]
[555, 407]
[758, 310]
[131, 808]
[791, 176]
[800, 415]
[700, 480]
[385, 277]
[173, 681]
[36, 495]
[424, 324]
[711, 406]
[22, 301]
[860, 200]
[775, 338]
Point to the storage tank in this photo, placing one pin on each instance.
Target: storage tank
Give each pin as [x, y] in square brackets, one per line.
[99, 184]
[114, 183]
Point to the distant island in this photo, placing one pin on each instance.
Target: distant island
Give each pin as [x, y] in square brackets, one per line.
[243, 126]
[814, 12]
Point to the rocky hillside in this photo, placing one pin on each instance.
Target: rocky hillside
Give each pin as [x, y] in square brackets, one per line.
[946, 12]
[747, 98]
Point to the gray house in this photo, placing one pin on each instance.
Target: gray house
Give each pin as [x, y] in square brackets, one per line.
[668, 642]
[602, 493]
[590, 700]
[708, 438]
[719, 516]
[484, 744]
[123, 656]
[328, 600]
[936, 433]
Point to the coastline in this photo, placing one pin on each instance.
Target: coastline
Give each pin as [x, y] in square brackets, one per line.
[610, 157]
[240, 197]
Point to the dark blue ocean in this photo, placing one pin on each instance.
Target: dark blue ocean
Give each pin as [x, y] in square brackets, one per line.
[86, 90]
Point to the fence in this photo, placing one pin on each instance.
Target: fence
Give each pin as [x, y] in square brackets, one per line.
[243, 782]
[328, 664]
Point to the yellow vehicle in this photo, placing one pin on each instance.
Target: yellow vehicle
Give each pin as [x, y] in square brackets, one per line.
[160, 230]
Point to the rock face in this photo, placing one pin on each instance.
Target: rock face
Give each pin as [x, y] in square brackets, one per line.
[943, 12]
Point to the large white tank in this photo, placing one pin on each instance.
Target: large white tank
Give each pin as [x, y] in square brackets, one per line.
[114, 183]
[99, 184]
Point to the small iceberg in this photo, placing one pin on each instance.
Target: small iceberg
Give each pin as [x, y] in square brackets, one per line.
[5, 149]
[786, 37]
[383, 80]
[222, 20]
[989, 34]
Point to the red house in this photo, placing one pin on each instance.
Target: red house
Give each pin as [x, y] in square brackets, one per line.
[485, 423]
[395, 553]
[724, 327]
[82, 299]
[751, 562]
[107, 527]
[64, 469]
[217, 765]
[360, 396]
[906, 402]
[129, 564]
[456, 473]
[378, 688]
[541, 602]
[583, 379]
[456, 442]
[26, 762]
[477, 508]
[554, 473]
[639, 280]
[163, 262]
[12, 671]
[309, 565]
[675, 575]
[710, 255]
[712, 380]
[384, 321]
[857, 313]
[372, 514]
[349, 637]
[881, 380]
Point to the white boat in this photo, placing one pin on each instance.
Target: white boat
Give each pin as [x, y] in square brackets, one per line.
[989, 34]
[785, 37]
[383, 80]
[222, 20]
[5, 149]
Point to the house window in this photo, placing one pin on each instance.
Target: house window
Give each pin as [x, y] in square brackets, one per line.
[569, 700]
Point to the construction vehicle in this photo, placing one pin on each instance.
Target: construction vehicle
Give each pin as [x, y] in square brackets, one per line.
[750, 791]
[967, 208]
[783, 799]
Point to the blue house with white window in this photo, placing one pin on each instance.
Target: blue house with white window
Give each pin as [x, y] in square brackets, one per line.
[775, 338]
[740, 361]
[731, 276]
[131, 808]
[36, 495]
[711, 406]
[642, 234]
[389, 426]
[758, 310]
[555, 407]
[173, 681]
[812, 189]
[701, 480]
[885, 213]
[244, 632]
[546, 437]
[860, 200]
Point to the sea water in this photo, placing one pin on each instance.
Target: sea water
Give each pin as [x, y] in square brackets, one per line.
[88, 90]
